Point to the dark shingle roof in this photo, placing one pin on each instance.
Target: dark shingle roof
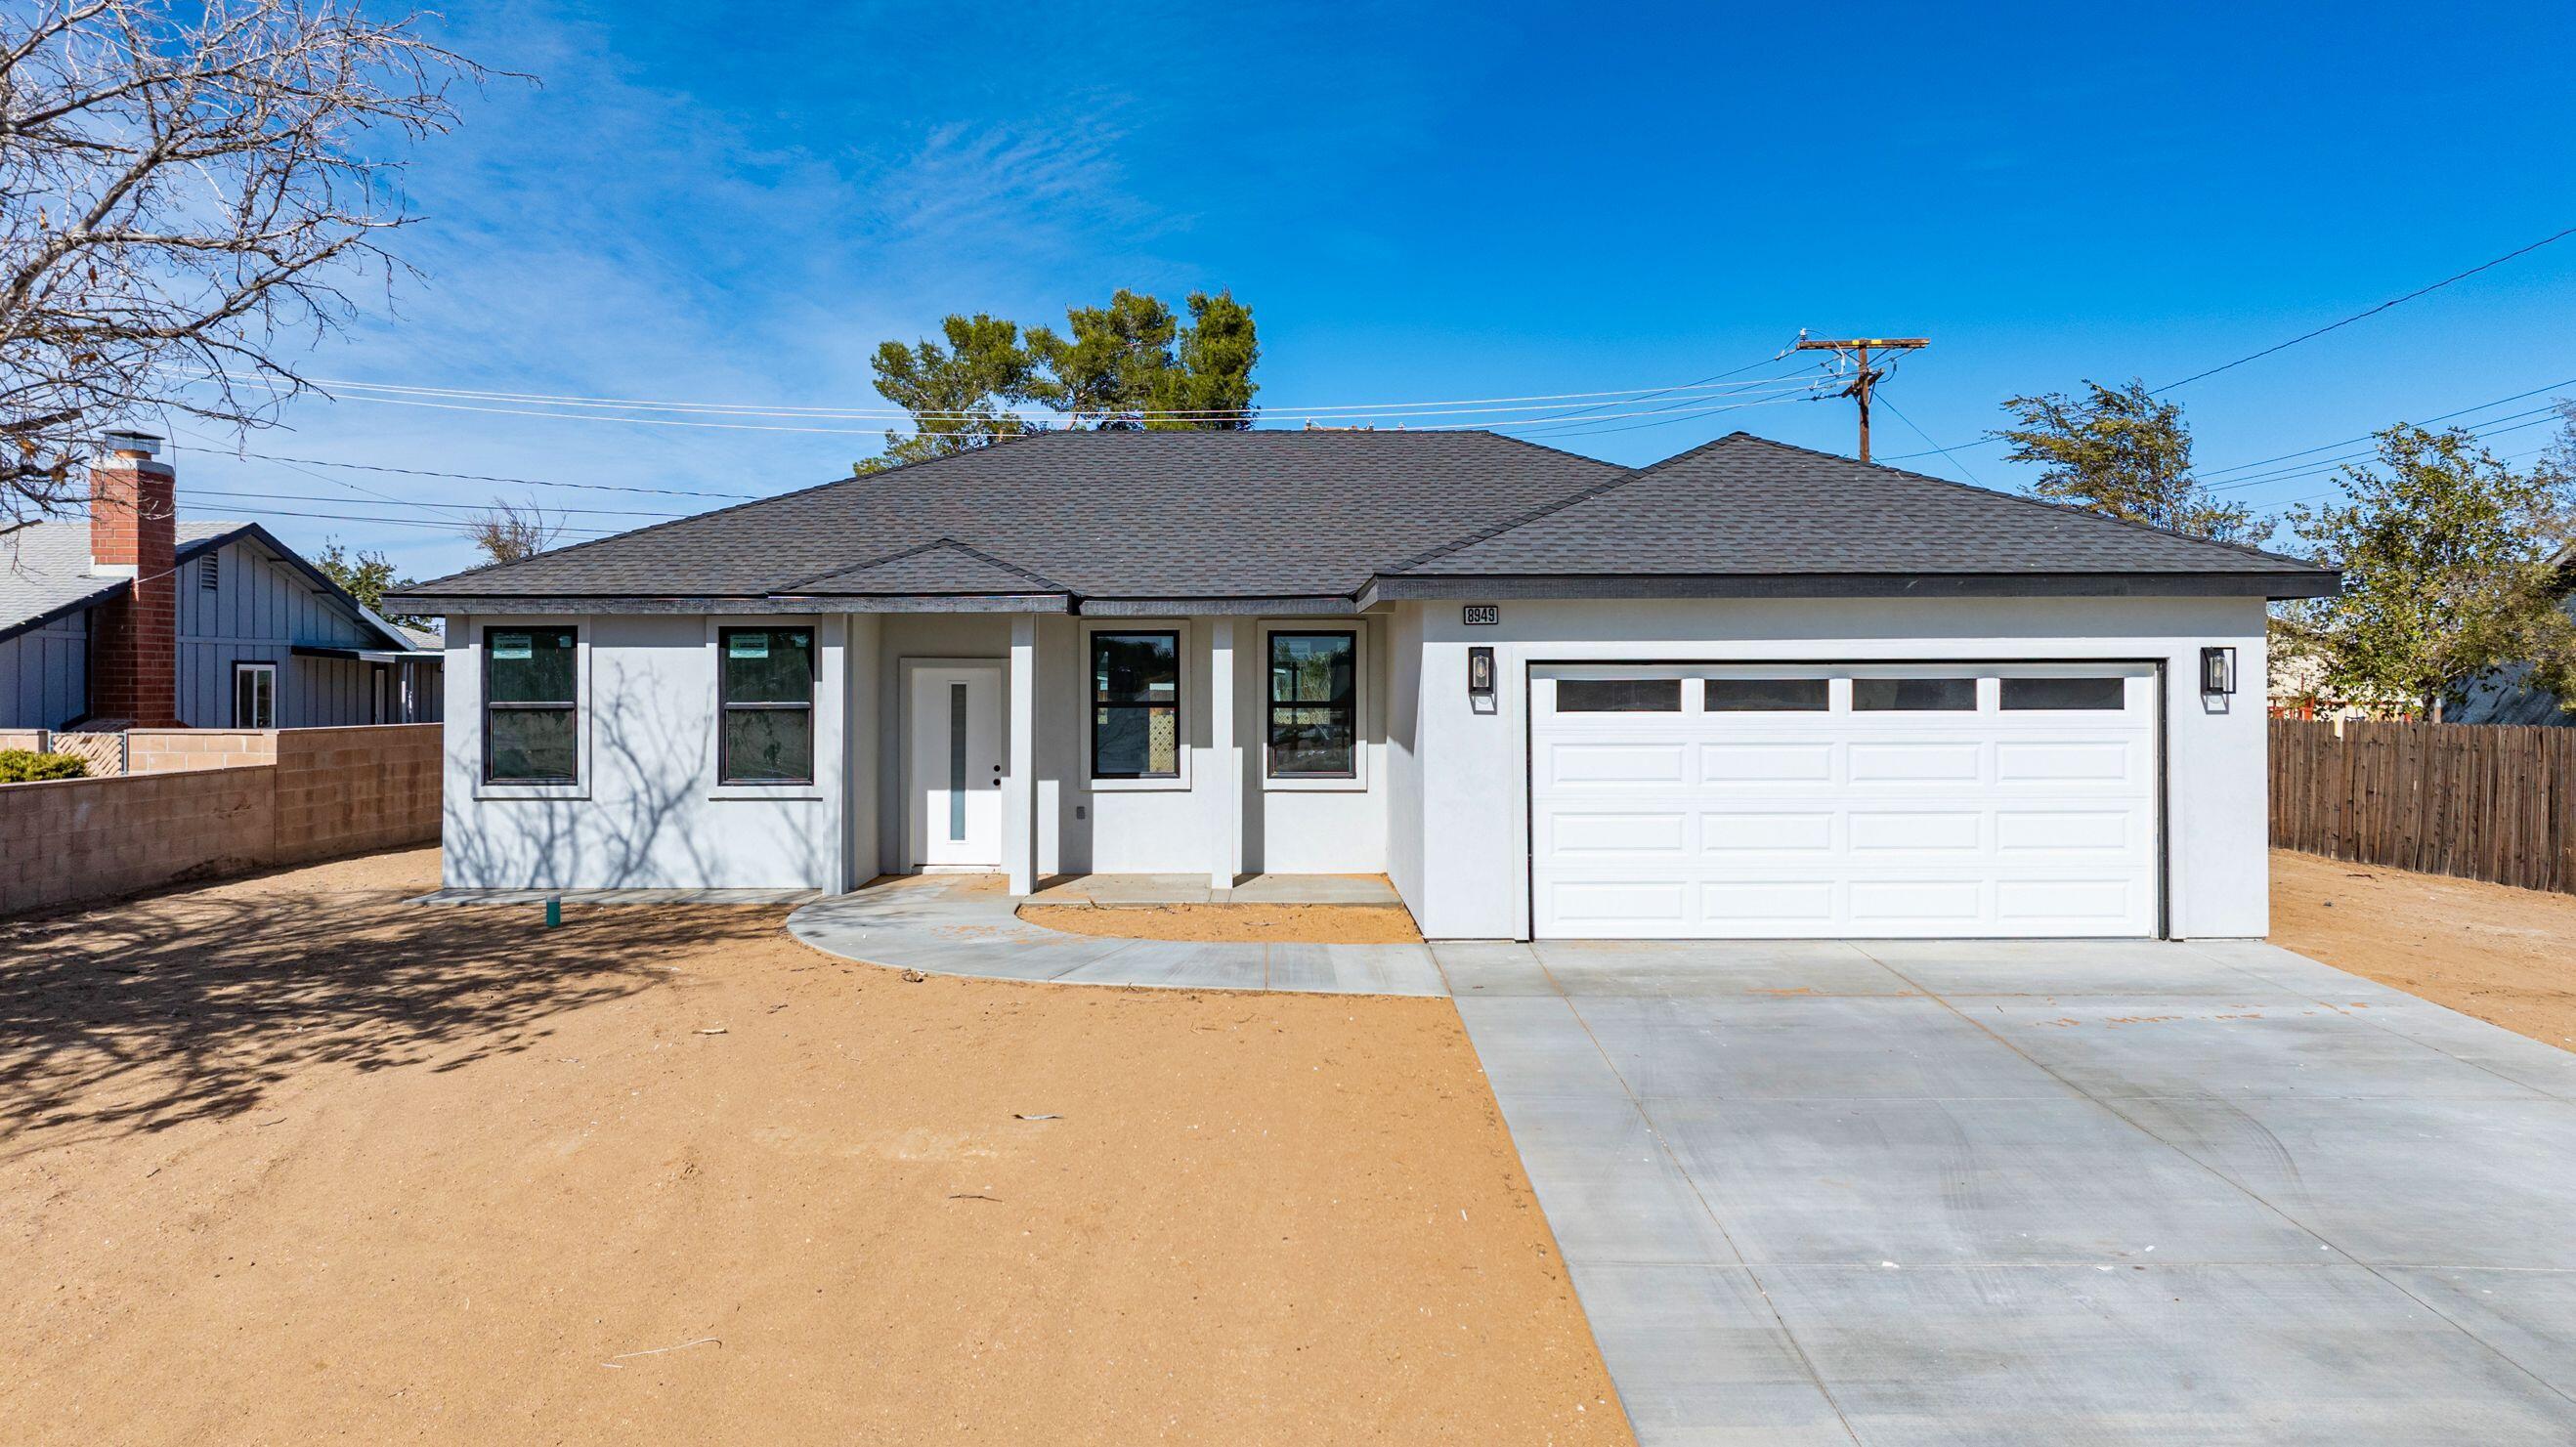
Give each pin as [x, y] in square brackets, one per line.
[1748, 505]
[1283, 515]
[1105, 514]
[946, 566]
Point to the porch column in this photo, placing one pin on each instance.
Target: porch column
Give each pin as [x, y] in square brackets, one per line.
[1019, 781]
[1224, 781]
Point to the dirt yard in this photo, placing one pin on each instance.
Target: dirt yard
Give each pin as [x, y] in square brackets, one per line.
[1311, 924]
[286, 1159]
[2505, 955]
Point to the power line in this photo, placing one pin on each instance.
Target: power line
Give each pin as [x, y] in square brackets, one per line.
[1936, 447]
[485, 477]
[457, 507]
[2369, 311]
[1783, 385]
[793, 411]
[2365, 437]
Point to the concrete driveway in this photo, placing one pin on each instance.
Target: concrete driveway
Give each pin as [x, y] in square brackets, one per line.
[2040, 1192]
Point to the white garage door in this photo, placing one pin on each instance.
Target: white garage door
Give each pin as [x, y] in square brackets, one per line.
[1713, 802]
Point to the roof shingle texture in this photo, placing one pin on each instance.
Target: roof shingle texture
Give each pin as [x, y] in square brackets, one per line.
[1105, 514]
[44, 568]
[1310, 514]
[1745, 504]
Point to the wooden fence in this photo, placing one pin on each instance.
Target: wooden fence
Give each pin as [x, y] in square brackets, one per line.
[2475, 800]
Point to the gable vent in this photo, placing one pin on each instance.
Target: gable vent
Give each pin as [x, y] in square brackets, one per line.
[210, 573]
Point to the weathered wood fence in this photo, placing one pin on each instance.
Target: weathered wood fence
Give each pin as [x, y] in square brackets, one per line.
[2474, 800]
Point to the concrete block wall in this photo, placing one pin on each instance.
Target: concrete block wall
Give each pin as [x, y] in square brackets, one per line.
[352, 790]
[321, 794]
[167, 751]
[32, 740]
[70, 839]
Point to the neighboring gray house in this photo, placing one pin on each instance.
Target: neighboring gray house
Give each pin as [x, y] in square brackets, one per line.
[264, 638]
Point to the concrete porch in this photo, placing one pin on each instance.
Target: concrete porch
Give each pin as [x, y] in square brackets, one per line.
[1114, 890]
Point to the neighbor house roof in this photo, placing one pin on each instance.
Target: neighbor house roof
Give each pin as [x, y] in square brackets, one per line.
[1111, 522]
[44, 570]
[45, 573]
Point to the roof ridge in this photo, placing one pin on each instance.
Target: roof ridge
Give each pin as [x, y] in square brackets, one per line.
[2065, 508]
[1534, 514]
[944, 540]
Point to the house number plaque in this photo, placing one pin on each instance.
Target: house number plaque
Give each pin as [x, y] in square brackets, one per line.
[1482, 613]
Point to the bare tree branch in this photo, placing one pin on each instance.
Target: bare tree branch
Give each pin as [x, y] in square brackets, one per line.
[507, 531]
[187, 187]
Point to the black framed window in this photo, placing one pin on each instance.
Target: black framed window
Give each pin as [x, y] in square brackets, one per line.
[1136, 705]
[1314, 713]
[530, 683]
[765, 693]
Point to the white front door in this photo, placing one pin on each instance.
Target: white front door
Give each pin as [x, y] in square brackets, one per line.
[1868, 800]
[953, 769]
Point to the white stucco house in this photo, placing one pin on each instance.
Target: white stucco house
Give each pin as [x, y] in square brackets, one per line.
[1749, 691]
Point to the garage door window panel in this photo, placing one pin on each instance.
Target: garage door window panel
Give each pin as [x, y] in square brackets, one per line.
[1618, 695]
[1766, 695]
[1914, 695]
[2065, 695]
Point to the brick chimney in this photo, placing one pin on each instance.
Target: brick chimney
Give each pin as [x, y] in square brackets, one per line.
[134, 533]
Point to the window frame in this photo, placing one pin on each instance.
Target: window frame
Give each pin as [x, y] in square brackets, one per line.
[480, 636]
[813, 718]
[254, 665]
[1182, 683]
[1269, 706]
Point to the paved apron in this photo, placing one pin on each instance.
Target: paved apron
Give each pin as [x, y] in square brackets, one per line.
[2029, 1191]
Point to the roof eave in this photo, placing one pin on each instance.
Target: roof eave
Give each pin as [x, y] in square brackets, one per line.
[2288, 583]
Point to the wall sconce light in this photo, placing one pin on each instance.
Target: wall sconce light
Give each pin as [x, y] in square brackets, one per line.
[1480, 680]
[2218, 671]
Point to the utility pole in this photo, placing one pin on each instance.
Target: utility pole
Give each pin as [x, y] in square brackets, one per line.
[1864, 376]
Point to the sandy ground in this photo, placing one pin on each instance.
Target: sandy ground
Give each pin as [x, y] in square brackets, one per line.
[2505, 955]
[1311, 924]
[286, 1159]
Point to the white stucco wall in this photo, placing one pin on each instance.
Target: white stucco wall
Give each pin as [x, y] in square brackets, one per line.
[647, 812]
[1472, 880]
[1442, 803]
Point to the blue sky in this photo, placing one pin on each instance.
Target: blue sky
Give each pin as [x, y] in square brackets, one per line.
[727, 205]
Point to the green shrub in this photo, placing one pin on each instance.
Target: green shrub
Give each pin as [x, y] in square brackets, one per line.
[20, 766]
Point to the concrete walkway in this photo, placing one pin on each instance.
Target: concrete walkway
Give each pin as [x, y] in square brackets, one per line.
[1976, 1192]
[966, 925]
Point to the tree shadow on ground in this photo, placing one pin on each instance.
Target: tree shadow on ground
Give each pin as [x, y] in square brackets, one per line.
[138, 1016]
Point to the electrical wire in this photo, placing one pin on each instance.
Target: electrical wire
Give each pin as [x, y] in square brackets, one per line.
[2367, 312]
[896, 414]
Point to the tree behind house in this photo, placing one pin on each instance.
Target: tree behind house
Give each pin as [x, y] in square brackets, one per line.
[2123, 453]
[2449, 564]
[1131, 365]
[505, 532]
[366, 576]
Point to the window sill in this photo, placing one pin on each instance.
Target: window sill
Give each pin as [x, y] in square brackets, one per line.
[1140, 786]
[766, 791]
[531, 791]
[1295, 785]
